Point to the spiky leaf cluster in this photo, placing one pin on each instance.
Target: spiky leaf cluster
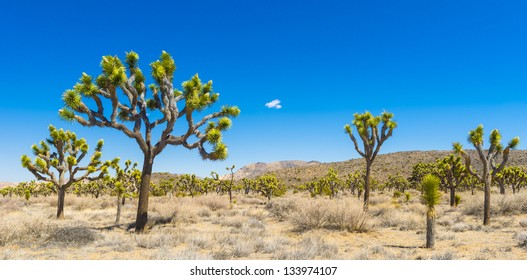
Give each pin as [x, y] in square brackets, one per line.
[431, 195]
[171, 103]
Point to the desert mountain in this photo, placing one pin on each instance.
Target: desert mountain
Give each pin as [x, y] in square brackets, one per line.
[385, 164]
[256, 169]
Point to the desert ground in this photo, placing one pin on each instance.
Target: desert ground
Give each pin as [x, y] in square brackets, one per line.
[291, 227]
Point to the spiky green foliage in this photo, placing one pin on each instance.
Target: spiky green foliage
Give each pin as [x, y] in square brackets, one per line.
[137, 110]
[372, 138]
[488, 159]
[61, 167]
[431, 195]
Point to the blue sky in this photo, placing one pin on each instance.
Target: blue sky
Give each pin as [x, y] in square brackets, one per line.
[442, 68]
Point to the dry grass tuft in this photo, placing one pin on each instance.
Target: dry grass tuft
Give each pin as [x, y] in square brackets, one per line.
[522, 239]
[72, 236]
[309, 248]
[339, 214]
[214, 203]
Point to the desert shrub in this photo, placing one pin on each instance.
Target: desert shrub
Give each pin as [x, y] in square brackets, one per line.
[24, 230]
[309, 248]
[73, 236]
[379, 199]
[221, 254]
[213, 202]
[8, 205]
[201, 241]
[400, 220]
[116, 242]
[500, 205]
[442, 256]
[522, 239]
[344, 215]
[151, 241]
[190, 254]
[397, 194]
[445, 221]
[275, 245]
[310, 215]
[280, 208]
[243, 248]
[460, 227]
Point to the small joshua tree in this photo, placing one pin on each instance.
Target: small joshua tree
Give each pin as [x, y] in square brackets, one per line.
[354, 180]
[451, 172]
[65, 160]
[512, 176]
[229, 185]
[431, 197]
[268, 185]
[372, 138]
[420, 170]
[488, 159]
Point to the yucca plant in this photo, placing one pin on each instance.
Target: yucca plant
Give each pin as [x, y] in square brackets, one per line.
[431, 197]
[457, 199]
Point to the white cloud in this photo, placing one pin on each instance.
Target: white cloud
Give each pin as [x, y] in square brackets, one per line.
[274, 104]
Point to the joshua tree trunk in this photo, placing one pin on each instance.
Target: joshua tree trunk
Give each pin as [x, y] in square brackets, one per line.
[502, 188]
[486, 204]
[452, 197]
[119, 206]
[142, 208]
[367, 186]
[430, 229]
[60, 203]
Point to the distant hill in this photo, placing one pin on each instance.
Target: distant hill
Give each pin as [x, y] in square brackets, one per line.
[6, 184]
[256, 169]
[385, 164]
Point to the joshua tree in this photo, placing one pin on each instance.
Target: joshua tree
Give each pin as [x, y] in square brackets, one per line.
[332, 182]
[125, 180]
[419, 170]
[431, 197]
[268, 185]
[488, 159]
[65, 160]
[372, 139]
[512, 176]
[451, 172]
[188, 184]
[397, 182]
[137, 116]
[230, 184]
[354, 180]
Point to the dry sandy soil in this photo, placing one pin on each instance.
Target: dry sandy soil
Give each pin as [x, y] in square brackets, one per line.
[292, 227]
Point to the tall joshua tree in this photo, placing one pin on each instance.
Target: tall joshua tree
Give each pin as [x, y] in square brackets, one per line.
[65, 160]
[372, 139]
[488, 159]
[431, 197]
[137, 116]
